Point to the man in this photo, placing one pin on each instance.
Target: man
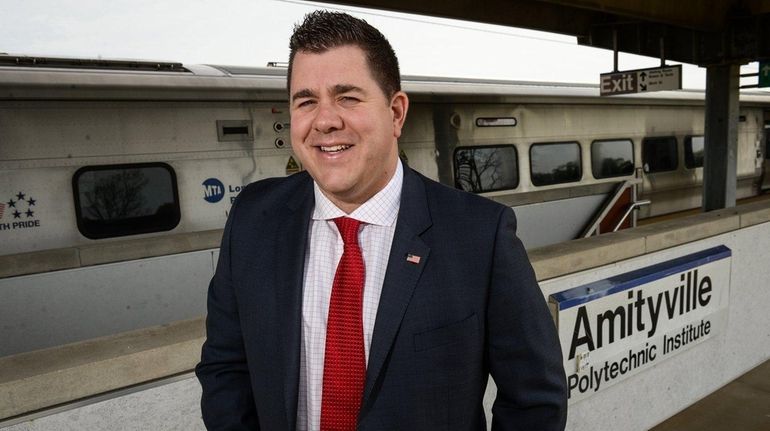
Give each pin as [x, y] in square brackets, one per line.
[361, 295]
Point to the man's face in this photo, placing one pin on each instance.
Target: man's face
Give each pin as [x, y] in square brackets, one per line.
[343, 128]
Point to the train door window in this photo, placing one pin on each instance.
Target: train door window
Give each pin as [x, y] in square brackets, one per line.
[118, 200]
[612, 158]
[693, 152]
[659, 154]
[555, 163]
[486, 169]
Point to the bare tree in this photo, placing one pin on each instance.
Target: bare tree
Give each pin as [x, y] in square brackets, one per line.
[478, 169]
[117, 196]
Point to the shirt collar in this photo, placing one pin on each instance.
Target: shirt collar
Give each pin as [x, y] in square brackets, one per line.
[381, 209]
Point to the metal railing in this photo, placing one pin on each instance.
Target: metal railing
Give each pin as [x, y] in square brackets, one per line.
[593, 228]
[634, 206]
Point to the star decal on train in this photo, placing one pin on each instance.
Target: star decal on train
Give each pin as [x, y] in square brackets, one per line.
[19, 206]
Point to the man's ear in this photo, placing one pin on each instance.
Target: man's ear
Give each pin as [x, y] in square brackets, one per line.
[399, 104]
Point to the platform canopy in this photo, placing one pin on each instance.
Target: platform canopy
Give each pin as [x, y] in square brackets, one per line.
[701, 32]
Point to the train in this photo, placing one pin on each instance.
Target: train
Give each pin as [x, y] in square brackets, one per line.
[99, 156]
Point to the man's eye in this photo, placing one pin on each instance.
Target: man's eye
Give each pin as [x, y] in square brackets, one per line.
[348, 100]
[305, 103]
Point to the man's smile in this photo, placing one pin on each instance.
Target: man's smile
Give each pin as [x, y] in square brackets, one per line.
[334, 148]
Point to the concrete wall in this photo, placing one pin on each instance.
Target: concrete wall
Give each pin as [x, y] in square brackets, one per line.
[51, 309]
[637, 403]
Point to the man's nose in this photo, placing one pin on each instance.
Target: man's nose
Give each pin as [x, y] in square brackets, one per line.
[327, 118]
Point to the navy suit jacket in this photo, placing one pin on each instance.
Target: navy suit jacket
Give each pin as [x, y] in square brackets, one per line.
[470, 307]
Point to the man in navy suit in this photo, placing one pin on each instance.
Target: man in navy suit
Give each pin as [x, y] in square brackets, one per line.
[445, 292]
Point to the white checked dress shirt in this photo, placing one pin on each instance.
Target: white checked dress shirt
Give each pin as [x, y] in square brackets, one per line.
[323, 253]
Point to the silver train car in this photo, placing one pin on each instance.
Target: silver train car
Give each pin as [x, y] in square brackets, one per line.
[116, 177]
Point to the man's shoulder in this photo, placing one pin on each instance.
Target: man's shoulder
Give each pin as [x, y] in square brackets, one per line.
[454, 200]
[275, 188]
[272, 196]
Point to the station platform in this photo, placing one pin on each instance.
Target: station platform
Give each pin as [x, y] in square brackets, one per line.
[741, 405]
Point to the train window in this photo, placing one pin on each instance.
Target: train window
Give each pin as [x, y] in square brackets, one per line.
[659, 154]
[486, 169]
[612, 158]
[119, 200]
[555, 163]
[693, 152]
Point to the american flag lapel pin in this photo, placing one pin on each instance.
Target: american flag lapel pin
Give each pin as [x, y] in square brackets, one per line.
[413, 258]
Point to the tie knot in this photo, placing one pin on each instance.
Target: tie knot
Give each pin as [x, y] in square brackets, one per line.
[348, 228]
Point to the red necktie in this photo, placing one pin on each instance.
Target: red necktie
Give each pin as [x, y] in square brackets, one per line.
[345, 361]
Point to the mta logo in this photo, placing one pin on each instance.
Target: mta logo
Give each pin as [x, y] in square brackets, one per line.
[213, 190]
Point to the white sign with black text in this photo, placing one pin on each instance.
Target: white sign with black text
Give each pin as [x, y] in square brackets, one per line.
[614, 328]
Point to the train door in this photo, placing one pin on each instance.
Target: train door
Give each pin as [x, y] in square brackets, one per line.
[766, 148]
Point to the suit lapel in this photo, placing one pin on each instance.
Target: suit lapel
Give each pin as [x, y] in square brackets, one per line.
[291, 240]
[402, 274]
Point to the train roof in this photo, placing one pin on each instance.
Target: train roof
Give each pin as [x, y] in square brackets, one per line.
[31, 77]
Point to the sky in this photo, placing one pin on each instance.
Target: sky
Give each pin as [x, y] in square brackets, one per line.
[254, 32]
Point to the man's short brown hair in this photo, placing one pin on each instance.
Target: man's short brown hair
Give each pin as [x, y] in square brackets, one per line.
[323, 30]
